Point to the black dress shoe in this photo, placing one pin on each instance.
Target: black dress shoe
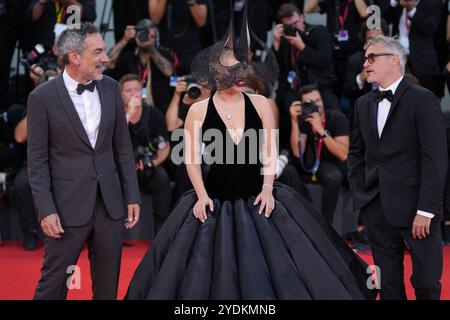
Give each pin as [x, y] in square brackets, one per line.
[30, 239]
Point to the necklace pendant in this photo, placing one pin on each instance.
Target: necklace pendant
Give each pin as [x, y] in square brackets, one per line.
[228, 116]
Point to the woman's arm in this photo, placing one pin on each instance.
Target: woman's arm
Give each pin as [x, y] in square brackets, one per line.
[156, 10]
[270, 152]
[38, 10]
[192, 140]
[312, 6]
[361, 7]
[199, 12]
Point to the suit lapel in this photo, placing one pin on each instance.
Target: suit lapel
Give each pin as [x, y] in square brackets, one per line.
[373, 110]
[71, 111]
[105, 101]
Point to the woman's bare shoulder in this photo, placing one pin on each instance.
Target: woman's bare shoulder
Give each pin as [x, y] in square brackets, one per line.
[198, 110]
[260, 102]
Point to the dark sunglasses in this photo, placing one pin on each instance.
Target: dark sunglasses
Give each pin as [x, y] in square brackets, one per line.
[371, 57]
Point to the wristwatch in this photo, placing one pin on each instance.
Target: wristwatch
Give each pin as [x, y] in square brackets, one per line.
[326, 134]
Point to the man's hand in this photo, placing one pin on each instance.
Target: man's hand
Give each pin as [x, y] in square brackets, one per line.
[296, 41]
[363, 75]
[36, 73]
[140, 166]
[409, 5]
[133, 215]
[295, 110]
[315, 120]
[51, 225]
[181, 86]
[129, 34]
[133, 107]
[421, 227]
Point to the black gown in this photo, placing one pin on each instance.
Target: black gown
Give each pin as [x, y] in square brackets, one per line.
[239, 254]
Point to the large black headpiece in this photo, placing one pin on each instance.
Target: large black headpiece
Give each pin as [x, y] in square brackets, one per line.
[210, 67]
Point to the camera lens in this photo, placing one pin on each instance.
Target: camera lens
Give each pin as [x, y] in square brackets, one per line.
[142, 35]
[194, 91]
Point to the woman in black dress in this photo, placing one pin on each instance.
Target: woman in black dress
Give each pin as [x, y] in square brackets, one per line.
[237, 235]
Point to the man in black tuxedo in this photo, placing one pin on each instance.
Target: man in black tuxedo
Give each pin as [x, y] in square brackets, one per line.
[415, 22]
[397, 167]
[81, 167]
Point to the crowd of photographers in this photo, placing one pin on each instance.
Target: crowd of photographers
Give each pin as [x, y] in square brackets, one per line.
[321, 76]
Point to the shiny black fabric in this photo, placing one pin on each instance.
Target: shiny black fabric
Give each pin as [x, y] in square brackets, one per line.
[239, 254]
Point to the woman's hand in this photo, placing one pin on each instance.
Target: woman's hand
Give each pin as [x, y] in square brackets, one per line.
[200, 208]
[267, 200]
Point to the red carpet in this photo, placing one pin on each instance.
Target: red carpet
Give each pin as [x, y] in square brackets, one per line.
[20, 270]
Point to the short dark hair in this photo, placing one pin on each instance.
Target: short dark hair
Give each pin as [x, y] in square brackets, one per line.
[308, 88]
[72, 40]
[128, 77]
[287, 10]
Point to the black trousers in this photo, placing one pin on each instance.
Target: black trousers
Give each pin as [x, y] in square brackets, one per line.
[104, 238]
[331, 177]
[23, 201]
[158, 187]
[388, 243]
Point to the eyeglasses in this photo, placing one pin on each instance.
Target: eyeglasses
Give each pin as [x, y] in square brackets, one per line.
[371, 57]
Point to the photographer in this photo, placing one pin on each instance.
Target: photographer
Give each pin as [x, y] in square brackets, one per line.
[344, 18]
[47, 13]
[150, 138]
[150, 61]
[304, 55]
[179, 22]
[320, 141]
[185, 95]
[175, 116]
[13, 157]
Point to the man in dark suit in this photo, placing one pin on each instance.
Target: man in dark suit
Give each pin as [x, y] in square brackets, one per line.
[397, 167]
[415, 22]
[81, 167]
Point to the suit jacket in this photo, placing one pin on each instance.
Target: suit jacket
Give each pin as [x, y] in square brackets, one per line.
[64, 170]
[424, 23]
[407, 165]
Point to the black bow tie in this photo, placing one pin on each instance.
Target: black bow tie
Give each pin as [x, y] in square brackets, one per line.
[90, 86]
[380, 95]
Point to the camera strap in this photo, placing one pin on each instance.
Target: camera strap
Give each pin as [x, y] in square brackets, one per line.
[60, 13]
[343, 17]
[317, 153]
[295, 68]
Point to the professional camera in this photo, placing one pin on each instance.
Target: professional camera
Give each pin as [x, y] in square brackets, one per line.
[142, 29]
[40, 57]
[148, 154]
[193, 87]
[308, 108]
[289, 30]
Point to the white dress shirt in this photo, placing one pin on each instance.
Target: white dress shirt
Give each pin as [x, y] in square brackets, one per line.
[403, 26]
[87, 106]
[383, 111]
